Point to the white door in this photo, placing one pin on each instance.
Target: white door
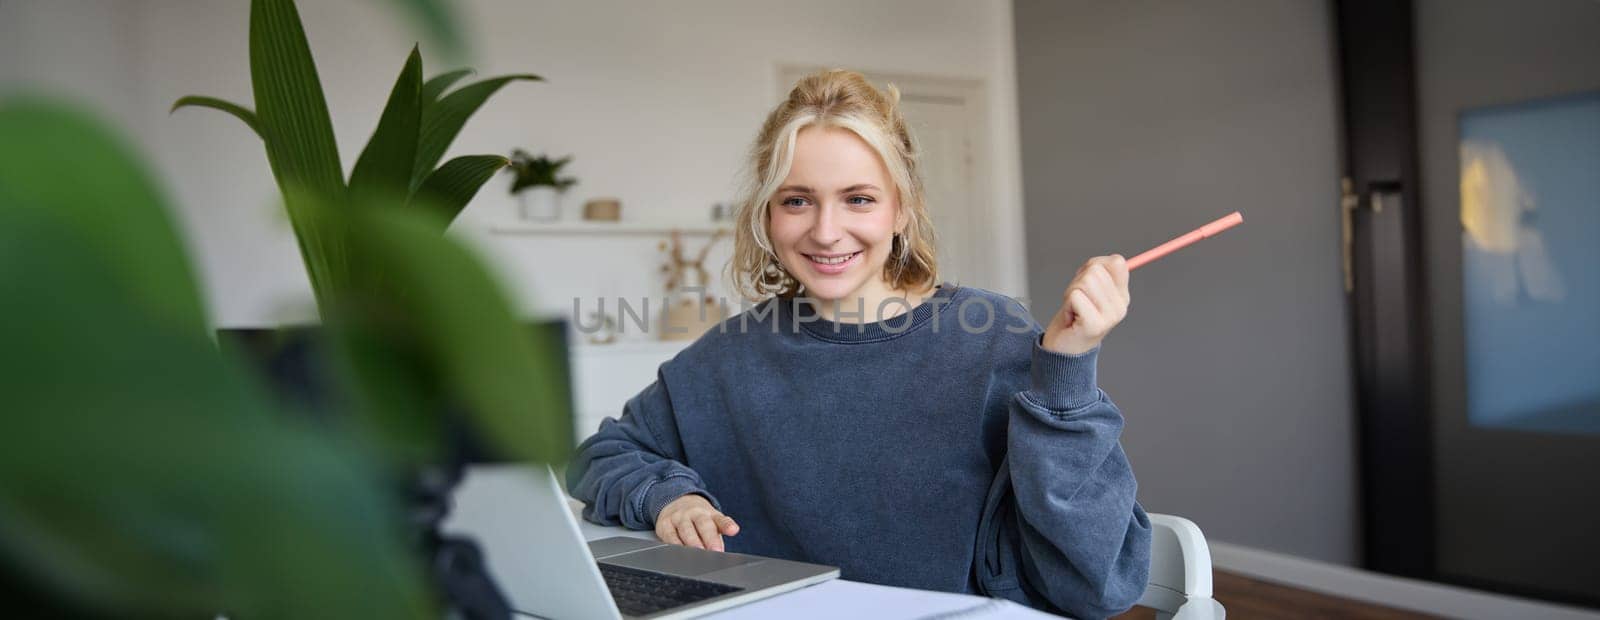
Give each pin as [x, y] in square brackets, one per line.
[941, 127]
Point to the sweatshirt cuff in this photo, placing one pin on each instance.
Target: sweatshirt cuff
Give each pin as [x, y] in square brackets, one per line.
[1063, 382]
[670, 488]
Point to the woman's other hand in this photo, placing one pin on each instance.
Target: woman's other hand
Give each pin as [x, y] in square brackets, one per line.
[1096, 301]
[692, 522]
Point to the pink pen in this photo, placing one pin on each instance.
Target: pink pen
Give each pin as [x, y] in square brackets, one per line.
[1225, 222]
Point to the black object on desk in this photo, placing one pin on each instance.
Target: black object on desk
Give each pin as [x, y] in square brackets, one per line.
[296, 365]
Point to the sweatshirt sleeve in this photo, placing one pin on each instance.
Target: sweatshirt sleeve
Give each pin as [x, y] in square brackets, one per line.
[634, 466]
[1061, 528]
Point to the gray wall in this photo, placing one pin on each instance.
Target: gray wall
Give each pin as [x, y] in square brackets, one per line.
[1139, 121]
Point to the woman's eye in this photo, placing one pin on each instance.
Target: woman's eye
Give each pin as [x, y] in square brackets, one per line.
[861, 200]
[794, 201]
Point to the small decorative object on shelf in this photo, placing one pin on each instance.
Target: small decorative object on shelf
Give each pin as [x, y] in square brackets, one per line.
[602, 210]
[607, 332]
[538, 184]
[690, 309]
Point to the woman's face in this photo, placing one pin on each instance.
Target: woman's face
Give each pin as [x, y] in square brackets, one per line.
[834, 218]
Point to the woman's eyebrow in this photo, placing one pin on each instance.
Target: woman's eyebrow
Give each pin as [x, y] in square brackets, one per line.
[805, 189]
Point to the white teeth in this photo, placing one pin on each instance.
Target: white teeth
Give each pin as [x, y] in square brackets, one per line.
[832, 261]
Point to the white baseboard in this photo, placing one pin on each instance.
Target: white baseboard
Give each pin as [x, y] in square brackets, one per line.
[1400, 592]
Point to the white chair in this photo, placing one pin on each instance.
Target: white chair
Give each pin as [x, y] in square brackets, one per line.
[1180, 571]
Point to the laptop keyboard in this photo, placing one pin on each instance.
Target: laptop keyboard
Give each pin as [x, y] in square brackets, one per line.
[641, 593]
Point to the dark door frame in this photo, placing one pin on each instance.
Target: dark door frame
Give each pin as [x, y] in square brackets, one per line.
[1397, 414]
[1387, 305]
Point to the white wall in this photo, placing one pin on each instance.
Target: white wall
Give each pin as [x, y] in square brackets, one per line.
[74, 48]
[658, 101]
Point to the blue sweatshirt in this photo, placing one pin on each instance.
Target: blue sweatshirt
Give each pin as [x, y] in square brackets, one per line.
[928, 450]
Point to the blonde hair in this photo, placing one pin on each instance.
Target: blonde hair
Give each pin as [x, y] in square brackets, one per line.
[842, 99]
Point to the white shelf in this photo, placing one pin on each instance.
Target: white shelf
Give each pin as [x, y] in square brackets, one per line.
[666, 348]
[609, 228]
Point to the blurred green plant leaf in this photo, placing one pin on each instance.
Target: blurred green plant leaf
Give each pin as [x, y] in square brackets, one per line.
[238, 111]
[439, 22]
[436, 85]
[398, 395]
[289, 101]
[438, 319]
[385, 165]
[141, 473]
[442, 121]
[452, 186]
[298, 133]
[60, 164]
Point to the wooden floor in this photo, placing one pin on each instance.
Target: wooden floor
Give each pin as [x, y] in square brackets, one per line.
[1246, 598]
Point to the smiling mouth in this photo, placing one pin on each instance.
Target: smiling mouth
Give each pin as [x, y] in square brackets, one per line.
[831, 260]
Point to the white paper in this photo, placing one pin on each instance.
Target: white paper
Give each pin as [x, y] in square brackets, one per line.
[838, 599]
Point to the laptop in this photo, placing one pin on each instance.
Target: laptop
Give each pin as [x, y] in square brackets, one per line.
[519, 515]
[536, 552]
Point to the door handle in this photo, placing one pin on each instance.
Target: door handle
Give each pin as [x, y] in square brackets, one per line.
[1349, 201]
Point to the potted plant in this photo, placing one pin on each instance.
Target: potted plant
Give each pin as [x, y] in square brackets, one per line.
[412, 322]
[538, 184]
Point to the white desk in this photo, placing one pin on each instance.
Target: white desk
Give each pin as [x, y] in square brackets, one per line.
[496, 505]
[839, 599]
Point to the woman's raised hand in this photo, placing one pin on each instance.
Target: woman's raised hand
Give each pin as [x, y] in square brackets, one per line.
[692, 522]
[1096, 301]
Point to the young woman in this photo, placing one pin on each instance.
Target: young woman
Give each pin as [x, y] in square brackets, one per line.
[865, 416]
